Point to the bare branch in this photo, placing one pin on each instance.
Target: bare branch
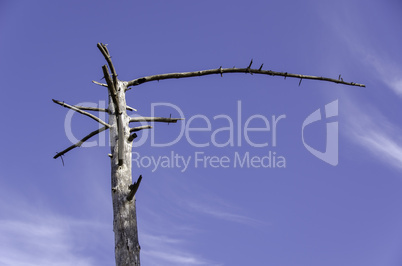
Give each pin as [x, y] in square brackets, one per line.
[77, 109]
[109, 82]
[111, 88]
[220, 71]
[131, 108]
[79, 143]
[106, 54]
[135, 129]
[98, 83]
[113, 93]
[154, 119]
[92, 108]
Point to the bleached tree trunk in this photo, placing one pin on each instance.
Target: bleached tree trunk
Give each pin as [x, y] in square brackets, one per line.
[127, 248]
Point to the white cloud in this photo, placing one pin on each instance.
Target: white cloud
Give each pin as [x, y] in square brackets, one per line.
[366, 125]
[379, 141]
[44, 240]
[375, 133]
[387, 71]
[32, 235]
[164, 250]
[381, 63]
[221, 212]
[167, 233]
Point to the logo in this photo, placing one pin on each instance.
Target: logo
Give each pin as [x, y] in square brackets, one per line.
[330, 155]
[252, 140]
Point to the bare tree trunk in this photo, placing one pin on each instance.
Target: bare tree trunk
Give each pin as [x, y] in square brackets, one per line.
[127, 248]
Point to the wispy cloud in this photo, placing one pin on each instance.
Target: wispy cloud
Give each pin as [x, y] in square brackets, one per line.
[32, 235]
[366, 124]
[201, 201]
[44, 240]
[381, 142]
[185, 199]
[168, 227]
[163, 250]
[220, 212]
[381, 63]
[376, 134]
[387, 71]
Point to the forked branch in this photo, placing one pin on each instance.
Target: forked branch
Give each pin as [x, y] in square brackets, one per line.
[79, 110]
[79, 143]
[221, 71]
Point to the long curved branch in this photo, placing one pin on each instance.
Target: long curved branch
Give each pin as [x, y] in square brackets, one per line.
[221, 71]
[79, 143]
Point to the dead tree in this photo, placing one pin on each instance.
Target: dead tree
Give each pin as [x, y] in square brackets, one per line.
[127, 248]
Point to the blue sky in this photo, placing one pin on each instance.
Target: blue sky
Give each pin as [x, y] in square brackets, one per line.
[307, 213]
